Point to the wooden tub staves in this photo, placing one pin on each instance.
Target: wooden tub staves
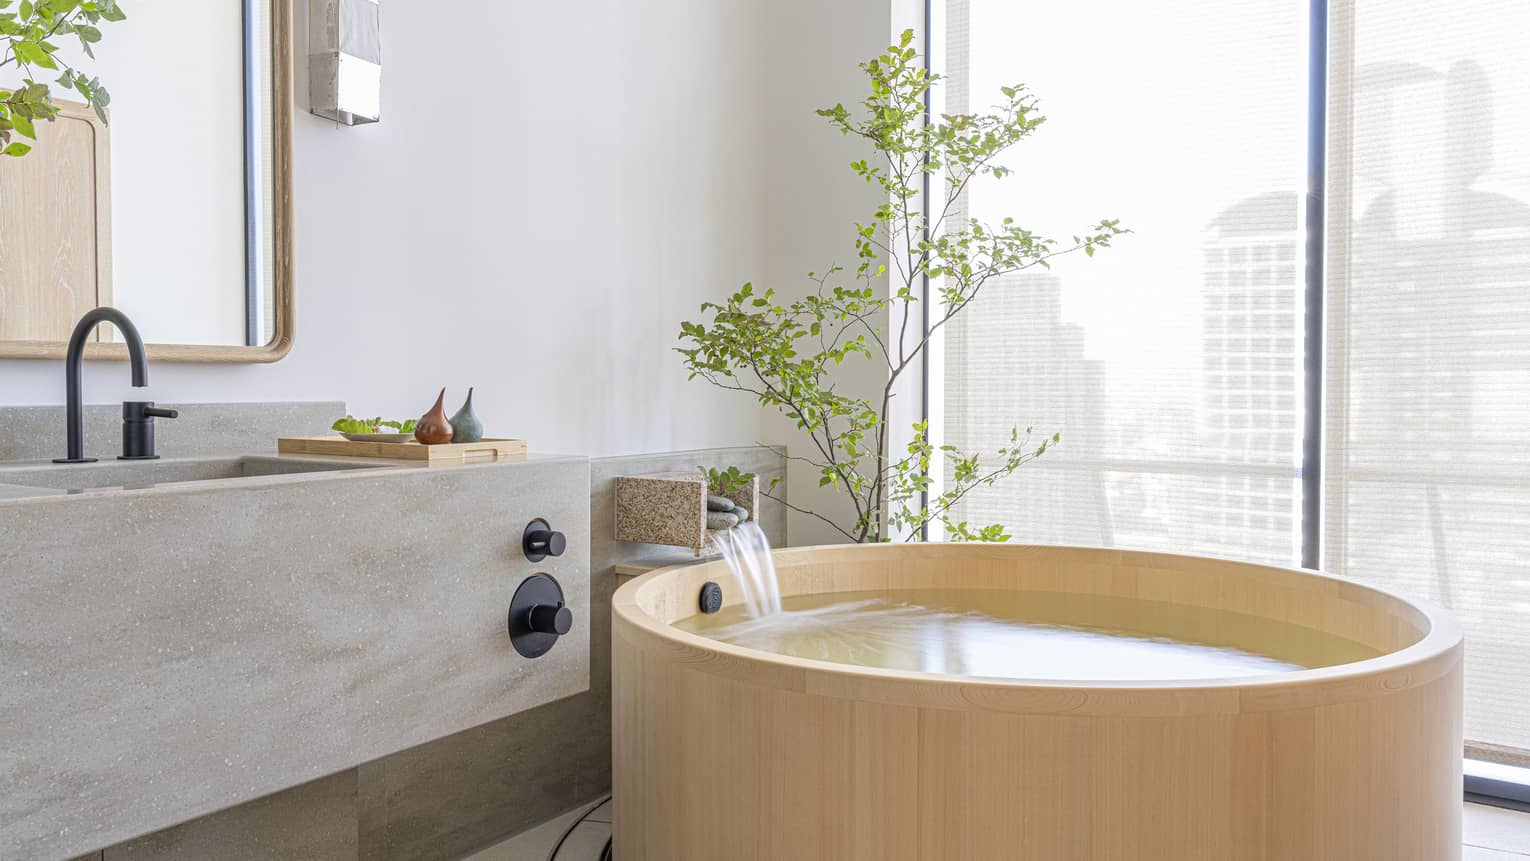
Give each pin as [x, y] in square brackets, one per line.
[726, 752]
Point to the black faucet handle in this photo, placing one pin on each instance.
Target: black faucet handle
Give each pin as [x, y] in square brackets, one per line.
[142, 411]
[138, 429]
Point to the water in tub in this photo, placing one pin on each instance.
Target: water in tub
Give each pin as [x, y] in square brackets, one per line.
[1008, 633]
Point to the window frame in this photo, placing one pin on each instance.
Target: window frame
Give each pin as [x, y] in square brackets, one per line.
[1485, 782]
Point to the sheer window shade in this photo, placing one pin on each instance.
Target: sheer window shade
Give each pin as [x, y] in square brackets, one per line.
[1428, 397]
[1171, 363]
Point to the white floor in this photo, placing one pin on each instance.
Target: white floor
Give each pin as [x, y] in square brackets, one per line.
[1489, 834]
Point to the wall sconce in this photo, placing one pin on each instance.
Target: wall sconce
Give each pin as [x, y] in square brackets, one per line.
[345, 60]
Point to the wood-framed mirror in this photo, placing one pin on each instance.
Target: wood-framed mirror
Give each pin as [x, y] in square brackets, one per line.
[179, 211]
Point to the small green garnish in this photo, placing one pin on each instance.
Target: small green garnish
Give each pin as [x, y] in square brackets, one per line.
[351, 424]
[726, 482]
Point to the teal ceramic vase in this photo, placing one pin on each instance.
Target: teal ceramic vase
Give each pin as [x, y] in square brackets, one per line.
[465, 424]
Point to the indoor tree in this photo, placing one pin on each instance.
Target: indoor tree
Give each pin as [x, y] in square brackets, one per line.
[27, 31]
[785, 353]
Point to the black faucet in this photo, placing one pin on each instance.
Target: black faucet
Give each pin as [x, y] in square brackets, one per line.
[137, 416]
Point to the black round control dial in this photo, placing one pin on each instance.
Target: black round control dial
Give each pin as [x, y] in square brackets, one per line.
[550, 619]
[538, 616]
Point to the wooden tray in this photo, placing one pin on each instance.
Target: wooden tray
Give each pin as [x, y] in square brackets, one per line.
[489, 449]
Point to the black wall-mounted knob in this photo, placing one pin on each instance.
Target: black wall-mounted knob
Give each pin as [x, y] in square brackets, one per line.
[540, 541]
[538, 616]
[550, 619]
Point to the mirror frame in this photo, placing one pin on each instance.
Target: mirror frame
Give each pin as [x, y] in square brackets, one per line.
[281, 238]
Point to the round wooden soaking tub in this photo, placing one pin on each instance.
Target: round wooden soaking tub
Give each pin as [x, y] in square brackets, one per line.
[725, 752]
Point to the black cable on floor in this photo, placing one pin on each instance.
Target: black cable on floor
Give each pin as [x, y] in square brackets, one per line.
[553, 855]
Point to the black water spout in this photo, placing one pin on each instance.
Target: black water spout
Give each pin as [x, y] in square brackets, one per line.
[72, 369]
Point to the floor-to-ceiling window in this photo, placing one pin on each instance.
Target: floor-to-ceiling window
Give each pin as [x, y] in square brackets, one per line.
[1171, 363]
[1427, 427]
[1175, 364]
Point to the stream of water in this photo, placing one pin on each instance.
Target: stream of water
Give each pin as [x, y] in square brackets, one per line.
[747, 552]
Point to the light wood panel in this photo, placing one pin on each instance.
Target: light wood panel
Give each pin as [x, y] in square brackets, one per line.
[281, 239]
[339, 446]
[55, 228]
[723, 752]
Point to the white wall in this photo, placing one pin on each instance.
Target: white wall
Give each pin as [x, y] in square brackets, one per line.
[553, 188]
[814, 198]
[536, 220]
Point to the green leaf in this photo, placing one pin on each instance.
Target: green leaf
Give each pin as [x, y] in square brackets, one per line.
[16, 150]
[33, 54]
[787, 355]
[351, 424]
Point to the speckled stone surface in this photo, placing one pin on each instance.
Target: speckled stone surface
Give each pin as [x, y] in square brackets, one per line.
[313, 822]
[670, 508]
[461, 793]
[36, 433]
[19, 479]
[662, 508]
[453, 795]
[173, 651]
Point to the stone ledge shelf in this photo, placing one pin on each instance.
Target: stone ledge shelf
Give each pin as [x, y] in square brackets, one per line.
[670, 508]
[626, 571]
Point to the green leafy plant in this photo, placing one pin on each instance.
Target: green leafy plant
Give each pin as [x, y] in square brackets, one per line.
[785, 353]
[726, 482]
[351, 424]
[27, 32]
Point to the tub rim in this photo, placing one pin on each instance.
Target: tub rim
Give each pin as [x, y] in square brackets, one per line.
[1437, 652]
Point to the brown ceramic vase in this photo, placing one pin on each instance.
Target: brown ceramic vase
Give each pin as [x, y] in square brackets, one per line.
[433, 428]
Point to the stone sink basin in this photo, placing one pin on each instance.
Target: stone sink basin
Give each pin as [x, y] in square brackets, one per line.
[181, 636]
[54, 479]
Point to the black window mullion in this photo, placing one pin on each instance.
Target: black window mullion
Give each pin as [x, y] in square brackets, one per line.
[1312, 348]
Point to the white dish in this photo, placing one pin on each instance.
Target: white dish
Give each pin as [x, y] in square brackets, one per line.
[378, 437]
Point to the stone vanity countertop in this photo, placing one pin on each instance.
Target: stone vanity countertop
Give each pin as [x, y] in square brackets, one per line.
[183, 635]
[36, 481]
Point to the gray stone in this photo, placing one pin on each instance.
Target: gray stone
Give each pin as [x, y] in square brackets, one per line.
[719, 503]
[449, 797]
[721, 520]
[173, 651]
[662, 508]
[741, 513]
[37, 433]
[315, 822]
[31, 478]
